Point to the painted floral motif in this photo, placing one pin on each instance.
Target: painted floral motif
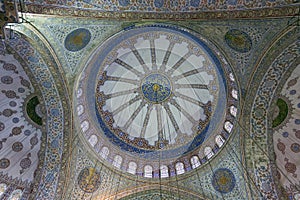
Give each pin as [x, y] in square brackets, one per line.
[77, 39]
[223, 180]
[238, 40]
[89, 180]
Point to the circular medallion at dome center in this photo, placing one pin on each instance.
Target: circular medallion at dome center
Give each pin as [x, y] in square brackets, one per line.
[156, 88]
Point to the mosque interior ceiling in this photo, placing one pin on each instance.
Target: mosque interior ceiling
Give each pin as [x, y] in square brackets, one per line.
[139, 99]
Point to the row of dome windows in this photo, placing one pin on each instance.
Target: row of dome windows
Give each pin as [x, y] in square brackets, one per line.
[15, 195]
[164, 170]
[208, 152]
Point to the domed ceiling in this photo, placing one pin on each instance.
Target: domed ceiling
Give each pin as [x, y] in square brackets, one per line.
[156, 95]
[185, 108]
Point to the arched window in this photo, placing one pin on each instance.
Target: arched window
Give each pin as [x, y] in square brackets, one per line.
[195, 162]
[297, 196]
[164, 171]
[117, 161]
[208, 152]
[220, 140]
[233, 111]
[16, 195]
[234, 94]
[3, 187]
[231, 77]
[93, 140]
[148, 171]
[79, 92]
[104, 152]
[80, 109]
[179, 168]
[228, 126]
[84, 126]
[132, 167]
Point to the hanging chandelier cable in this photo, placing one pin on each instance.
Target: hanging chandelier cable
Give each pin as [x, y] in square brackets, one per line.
[198, 176]
[243, 170]
[213, 176]
[177, 184]
[118, 185]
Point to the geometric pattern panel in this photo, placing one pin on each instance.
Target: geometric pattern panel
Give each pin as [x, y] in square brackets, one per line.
[258, 121]
[242, 42]
[161, 5]
[20, 138]
[223, 180]
[53, 149]
[287, 137]
[93, 180]
[8, 14]
[220, 181]
[75, 40]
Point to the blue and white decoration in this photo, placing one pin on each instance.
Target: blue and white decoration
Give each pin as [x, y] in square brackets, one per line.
[160, 93]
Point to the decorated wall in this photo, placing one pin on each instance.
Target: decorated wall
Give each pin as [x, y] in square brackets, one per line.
[99, 104]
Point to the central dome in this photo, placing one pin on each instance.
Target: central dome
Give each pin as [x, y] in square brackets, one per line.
[160, 93]
[157, 90]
